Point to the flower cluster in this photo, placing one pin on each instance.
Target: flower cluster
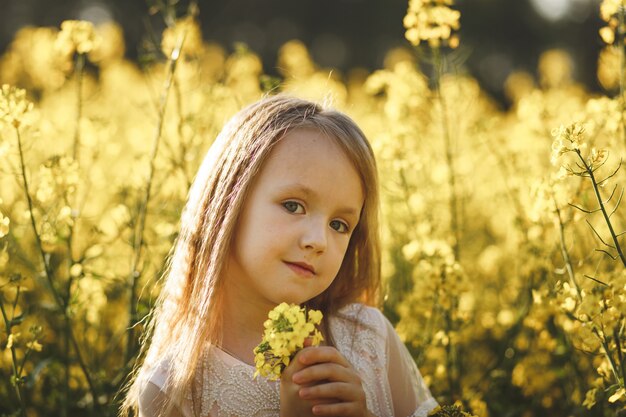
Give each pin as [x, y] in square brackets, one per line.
[286, 330]
[432, 21]
[76, 36]
[187, 28]
[449, 411]
[609, 9]
[567, 139]
[14, 106]
[477, 226]
[4, 224]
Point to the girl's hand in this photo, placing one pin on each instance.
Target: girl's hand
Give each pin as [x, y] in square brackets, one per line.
[291, 404]
[329, 382]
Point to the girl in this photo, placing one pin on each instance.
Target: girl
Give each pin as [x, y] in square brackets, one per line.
[283, 208]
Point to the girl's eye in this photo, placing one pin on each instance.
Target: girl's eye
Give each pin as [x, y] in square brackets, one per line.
[339, 226]
[293, 207]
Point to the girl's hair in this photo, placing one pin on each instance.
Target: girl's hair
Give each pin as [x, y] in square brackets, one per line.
[187, 317]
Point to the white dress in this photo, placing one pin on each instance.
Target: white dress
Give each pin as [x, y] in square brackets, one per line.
[392, 383]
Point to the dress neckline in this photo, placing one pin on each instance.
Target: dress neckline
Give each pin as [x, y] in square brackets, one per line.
[231, 359]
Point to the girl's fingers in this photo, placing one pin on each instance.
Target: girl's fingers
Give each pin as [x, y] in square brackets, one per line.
[324, 372]
[338, 409]
[341, 391]
[319, 354]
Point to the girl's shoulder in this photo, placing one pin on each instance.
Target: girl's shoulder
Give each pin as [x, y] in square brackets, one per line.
[360, 317]
[156, 378]
[362, 313]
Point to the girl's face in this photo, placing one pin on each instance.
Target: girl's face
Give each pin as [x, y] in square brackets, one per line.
[296, 222]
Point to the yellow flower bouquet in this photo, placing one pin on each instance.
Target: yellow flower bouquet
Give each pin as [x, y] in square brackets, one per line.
[449, 411]
[286, 330]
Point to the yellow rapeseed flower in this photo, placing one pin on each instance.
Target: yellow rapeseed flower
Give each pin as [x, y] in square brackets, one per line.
[4, 225]
[77, 36]
[188, 28]
[431, 21]
[620, 393]
[285, 332]
[567, 139]
[34, 345]
[13, 106]
[609, 9]
[13, 338]
[609, 67]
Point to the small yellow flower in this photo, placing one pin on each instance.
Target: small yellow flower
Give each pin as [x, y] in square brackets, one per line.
[4, 225]
[597, 156]
[77, 36]
[620, 393]
[608, 8]
[590, 398]
[567, 139]
[607, 34]
[34, 345]
[76, 270]
[13, 106]
[431, 21]
[188, 28]
[285, 332]
[13, 338]
[315, 316]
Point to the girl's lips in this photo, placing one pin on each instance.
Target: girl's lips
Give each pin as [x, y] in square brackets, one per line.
[301, 268]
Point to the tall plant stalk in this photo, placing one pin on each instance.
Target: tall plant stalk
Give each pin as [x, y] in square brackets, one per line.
[58, 299]
[17, 373]
[589, 171]
[565, 253]
[80, 66]
[451, 349]
[79, 73]
[138, 240]
[447, 141]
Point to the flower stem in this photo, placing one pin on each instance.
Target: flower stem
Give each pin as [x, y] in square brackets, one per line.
[605, 348]
[568, 262]
[62, 306]
[618, 248]
[17, 375]
[80, 65]
[622, 65]
[138, 240]
[454, 219]
[620, 357]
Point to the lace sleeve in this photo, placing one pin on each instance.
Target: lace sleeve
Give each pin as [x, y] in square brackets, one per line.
[151, 402]
[410, 395]
[153, 395]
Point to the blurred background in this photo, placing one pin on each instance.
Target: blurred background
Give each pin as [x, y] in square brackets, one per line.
[500, 274]
[497, 36]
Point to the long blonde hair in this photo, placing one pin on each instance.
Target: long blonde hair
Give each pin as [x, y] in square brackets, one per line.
[187, 316]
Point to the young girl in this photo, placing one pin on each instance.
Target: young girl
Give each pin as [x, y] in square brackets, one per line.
[283, 208]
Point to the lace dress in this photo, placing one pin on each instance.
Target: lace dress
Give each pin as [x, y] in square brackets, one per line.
[392, 383]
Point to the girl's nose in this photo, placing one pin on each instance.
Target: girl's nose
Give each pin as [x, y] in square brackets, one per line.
[314, 236]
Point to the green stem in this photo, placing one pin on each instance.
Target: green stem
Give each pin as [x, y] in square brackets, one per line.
[454, 219]
[32, 220]
[80, 65]
[66, 335]
[605, 347]
[622, 366]
[568, 262]
[143, 211]
[620, 42]
[48, 271]
[16, 374]
[618, 248]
